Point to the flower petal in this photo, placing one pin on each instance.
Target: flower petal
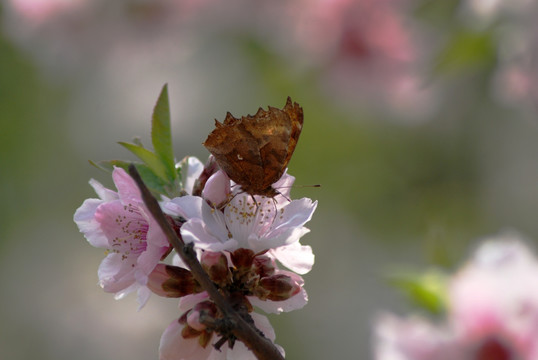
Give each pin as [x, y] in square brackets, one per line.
[295, 214]
[143, 296]
[174, 347]
[113, 275]
[85, 219]
[104, 193]
[127, 189]
[283, 238]
[295, 302]
[283, 186]
[187, 207]
[191, 173]
[296, 257]
[196, 231]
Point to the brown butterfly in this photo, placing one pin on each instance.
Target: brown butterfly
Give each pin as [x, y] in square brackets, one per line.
[254, 151]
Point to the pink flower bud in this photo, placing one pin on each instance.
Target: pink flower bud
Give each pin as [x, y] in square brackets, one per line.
[264, 266]
[217, 189]
[278, 287]
[172, 281]
[242, 258]
[216, 266]
[210, 168]
[201, 315]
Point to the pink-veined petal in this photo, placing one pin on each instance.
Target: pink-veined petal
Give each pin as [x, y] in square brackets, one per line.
[127, 188]
[85, 219]
[113, 277]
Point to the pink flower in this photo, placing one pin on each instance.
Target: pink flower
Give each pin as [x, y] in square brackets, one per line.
[413, 338]
[495, 297]
[242, 224]
[493, 312]
[39, 11]
[120, 223]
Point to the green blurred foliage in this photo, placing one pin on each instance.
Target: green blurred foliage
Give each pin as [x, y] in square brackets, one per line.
[33, 141]
[425, 289]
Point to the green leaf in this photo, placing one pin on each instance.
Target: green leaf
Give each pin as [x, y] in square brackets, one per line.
[108, 165]
[427, 290]
[149, 158]
[137, 141]
[161, 136]
[152, 181]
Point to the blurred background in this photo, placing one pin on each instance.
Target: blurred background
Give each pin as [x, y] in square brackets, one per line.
[420, 124]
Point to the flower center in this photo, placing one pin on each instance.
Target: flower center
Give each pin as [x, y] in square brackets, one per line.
[254, 215]
[130, 240]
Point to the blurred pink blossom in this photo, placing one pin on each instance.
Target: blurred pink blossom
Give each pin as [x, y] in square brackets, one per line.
[36, 12]
[367, 51]
[493, 312]
[514, 26]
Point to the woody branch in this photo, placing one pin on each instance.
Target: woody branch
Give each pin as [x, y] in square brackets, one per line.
[262, 347]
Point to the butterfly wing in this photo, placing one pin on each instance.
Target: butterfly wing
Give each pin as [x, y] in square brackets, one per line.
[236, 151]
[255, 150]
[278, 132]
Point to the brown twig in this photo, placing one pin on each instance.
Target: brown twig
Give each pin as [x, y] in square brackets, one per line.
[262, 347]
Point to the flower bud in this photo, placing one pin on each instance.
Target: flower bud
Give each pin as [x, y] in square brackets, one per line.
[216, 266]
[242, 259]
[210, 168]
[277, 287]
[172, 281]
[217, 189]
[264, 265]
